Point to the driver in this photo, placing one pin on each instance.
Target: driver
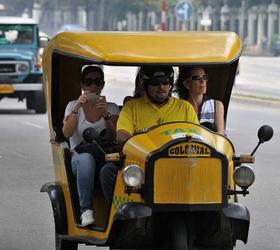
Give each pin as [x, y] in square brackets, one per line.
[156, 106]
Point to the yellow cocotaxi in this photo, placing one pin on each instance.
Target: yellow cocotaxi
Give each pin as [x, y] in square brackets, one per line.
[173, 180]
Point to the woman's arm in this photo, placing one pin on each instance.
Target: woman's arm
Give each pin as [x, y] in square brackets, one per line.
[110, 123]
[70, 122]
[110, 119]
[219, 117]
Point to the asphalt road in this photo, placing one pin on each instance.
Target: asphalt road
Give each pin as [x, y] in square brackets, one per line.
[259, 76]
[26, 163]
[263, 201]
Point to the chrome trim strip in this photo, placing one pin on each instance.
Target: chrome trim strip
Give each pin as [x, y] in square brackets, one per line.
[28, 86]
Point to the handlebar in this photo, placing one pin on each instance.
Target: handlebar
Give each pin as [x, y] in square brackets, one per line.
[247, 159]
[243, 159]
[113, 157]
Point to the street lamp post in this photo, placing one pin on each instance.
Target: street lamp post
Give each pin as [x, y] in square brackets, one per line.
[242, 21]
[163, 15]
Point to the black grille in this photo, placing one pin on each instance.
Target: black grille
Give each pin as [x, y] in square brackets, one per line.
[7, 68]
[7, 59]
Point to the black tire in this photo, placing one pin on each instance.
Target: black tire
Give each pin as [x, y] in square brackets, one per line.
[30, 103]
[178, 235]
[40, 103]
[61, 244]
[224, 248]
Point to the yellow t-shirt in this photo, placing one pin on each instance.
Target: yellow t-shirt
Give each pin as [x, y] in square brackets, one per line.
[139, 114]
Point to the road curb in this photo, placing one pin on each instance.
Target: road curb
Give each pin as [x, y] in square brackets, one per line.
[258, 99]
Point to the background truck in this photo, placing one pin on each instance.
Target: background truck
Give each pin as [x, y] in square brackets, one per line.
[20, 62]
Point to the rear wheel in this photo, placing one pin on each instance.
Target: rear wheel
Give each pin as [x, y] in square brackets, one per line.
[61, 244]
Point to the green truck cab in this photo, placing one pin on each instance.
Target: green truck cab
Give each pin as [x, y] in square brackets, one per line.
[20, 62]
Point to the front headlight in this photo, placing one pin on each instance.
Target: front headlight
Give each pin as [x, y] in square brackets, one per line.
[22, 67]
[244, 176]
[133, 175]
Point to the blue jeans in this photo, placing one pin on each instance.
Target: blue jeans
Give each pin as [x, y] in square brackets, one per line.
[84, 167]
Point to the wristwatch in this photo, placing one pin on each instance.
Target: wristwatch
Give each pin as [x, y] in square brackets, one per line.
[73, 112]
[107, 116]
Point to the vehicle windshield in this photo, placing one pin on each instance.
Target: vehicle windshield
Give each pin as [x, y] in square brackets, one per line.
[16, 34]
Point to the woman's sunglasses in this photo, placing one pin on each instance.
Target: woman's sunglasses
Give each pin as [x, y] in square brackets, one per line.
[97, 81]
[199, 78]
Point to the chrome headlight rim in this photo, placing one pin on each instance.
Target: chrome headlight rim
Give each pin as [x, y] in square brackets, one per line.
[244, 176]
[133, 175]
[22, 67]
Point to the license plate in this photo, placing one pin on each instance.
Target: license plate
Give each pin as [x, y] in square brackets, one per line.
[6, 89]
[189, 149]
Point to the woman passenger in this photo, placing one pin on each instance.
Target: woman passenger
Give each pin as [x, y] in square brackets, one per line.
[90, 110]
[191, 85]
[138, 90]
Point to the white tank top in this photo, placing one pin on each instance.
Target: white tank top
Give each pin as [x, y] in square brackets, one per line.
[207, 114]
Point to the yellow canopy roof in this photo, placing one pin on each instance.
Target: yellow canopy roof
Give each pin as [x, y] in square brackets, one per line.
[149, 47]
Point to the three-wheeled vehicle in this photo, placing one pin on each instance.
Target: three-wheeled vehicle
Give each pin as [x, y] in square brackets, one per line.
[177, 183]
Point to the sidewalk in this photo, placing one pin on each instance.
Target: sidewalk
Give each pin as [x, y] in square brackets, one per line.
[258, 79]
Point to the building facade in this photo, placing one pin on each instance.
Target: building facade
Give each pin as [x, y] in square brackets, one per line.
[256, 26]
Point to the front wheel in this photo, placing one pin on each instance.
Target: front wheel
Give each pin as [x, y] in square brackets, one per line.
[30, 104]
[61, 244]
[178, 235]
[40, 103]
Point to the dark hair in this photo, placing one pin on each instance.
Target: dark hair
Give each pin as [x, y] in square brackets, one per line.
[184, 73]
[89, 69]
[138, 87]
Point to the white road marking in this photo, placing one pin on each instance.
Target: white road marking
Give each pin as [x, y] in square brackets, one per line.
[33, 125]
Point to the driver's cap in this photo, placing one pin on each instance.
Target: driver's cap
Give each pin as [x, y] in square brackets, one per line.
[159, 73]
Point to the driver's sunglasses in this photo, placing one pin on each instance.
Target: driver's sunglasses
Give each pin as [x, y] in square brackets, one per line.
[97, 81]
[199, 78]
[159, 81]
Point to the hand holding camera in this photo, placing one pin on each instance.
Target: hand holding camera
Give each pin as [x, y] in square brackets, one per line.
[102, 105]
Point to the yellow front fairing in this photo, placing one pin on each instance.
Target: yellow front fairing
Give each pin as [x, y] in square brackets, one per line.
[188, 166]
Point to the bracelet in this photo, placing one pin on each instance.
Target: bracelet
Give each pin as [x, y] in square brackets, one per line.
[74, 112]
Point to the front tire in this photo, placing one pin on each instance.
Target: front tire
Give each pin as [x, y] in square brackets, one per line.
[61, 244]
[178, 235]
[40, 103]
[30, 104]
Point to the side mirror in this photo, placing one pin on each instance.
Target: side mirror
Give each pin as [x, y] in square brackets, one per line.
[265, 133]
[43, 42]
[90, 135]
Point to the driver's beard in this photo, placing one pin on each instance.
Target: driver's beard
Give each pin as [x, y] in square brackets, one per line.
[158, 102]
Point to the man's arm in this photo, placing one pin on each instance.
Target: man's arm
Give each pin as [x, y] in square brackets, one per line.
[122, 136]
[125, 128]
